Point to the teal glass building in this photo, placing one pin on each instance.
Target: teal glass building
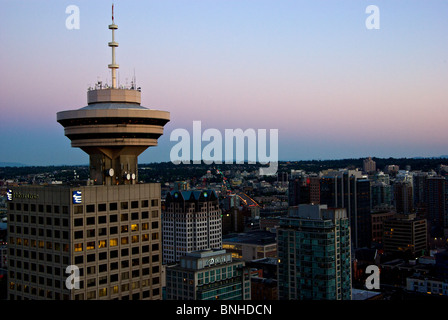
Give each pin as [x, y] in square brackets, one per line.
[208, 275]
[314, 260]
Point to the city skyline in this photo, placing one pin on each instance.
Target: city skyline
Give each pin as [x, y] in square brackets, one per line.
[333, 88]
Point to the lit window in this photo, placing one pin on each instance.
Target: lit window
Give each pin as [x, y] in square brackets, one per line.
[113, 242]
[102, 292]
[102, 244]
[78, 247]
[90, 245]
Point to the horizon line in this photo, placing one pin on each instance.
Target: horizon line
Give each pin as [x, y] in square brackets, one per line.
[7, 164]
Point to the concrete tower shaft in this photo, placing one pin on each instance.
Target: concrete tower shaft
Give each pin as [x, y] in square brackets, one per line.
[114, 129]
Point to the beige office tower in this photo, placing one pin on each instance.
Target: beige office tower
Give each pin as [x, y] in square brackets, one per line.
[101, 240]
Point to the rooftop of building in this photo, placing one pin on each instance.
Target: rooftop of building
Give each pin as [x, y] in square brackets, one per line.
[267, 260]
[358, 294]
[205, 253]
[192, 194]
[256, 237]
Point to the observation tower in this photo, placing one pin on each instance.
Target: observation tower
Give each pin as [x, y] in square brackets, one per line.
[114, 129]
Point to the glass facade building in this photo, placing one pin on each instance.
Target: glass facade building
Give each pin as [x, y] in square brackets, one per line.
[314, 260]
[350, 189]
[208, 275]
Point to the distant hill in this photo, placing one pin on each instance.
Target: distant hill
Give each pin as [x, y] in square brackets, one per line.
[12, 164]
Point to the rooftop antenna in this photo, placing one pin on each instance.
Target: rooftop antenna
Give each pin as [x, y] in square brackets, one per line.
[113, 66]
[134, 82]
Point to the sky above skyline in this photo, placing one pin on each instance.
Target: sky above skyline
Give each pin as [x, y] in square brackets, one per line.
[311, 69]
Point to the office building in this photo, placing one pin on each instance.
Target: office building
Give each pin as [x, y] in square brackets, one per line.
[303, 190]
[111, 234]
[403, 197]
[251, 245]
[349, 189]
[101, 240]
[378, 218]
[208, 275]
[314, 259]
[405, 236]
[437, 205]
[419, 188]
[191, 221]
[381, 194]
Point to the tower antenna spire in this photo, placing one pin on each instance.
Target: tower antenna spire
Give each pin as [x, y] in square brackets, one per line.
[113, 44]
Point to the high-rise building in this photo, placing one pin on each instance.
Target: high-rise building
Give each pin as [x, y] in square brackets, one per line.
[101, 240]
[191, 221]
[381, 194]
[437, 205]
[378, 218]
[368, 165]
[298, 191]
[303, 190]
[349, 189]
[403, 197]
[405, 235]
[314, 259]
[208, 275]
[419, 184]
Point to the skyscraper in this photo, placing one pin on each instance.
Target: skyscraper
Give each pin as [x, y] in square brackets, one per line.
[314, 260]
[303, 190]
[437, 205]
[403, 197]
[380, 194]
[102, 240]
[191, 221]
[349, 189]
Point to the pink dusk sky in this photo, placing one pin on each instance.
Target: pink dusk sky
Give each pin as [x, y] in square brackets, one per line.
[311, 69]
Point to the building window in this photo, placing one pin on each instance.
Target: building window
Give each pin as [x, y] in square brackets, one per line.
[113, 242]
[76, 209]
